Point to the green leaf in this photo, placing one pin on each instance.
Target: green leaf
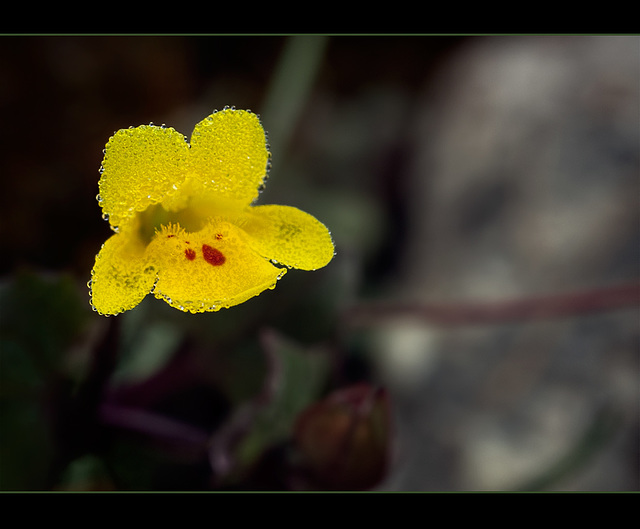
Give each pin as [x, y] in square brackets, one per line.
[40, 319]
[86, 473]
[296, 378]
[44, 315]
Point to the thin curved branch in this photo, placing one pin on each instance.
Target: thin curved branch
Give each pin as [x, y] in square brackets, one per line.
[482, 313]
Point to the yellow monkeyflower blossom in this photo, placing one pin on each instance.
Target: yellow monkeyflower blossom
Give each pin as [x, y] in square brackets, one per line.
[186, 227]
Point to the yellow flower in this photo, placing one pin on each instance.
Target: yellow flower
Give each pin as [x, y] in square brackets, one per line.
[185, 225]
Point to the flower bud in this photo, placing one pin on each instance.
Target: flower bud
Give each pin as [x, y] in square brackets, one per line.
[343, 440]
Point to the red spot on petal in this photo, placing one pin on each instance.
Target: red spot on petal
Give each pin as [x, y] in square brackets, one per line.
[190, 254]
[170, 235]
[212, 256]
[218, 236]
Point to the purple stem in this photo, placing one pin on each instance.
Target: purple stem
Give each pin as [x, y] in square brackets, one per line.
[152, 425]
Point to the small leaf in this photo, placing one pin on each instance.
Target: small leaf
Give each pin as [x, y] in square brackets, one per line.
[295, 379]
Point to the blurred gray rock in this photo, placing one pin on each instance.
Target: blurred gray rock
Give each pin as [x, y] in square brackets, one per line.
[527, 175]
[525, 182]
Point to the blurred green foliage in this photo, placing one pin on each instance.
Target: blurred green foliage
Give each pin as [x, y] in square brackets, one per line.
[61, 365]
[40, 320]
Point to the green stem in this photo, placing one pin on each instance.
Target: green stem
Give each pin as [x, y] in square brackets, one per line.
[290, 86]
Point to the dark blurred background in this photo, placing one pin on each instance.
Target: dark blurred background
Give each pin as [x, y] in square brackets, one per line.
[448, 169]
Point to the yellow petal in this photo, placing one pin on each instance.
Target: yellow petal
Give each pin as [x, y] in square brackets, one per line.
[289, 236]
[142, 166]
[121, 276]
[210, 269]
[229, 155]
